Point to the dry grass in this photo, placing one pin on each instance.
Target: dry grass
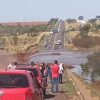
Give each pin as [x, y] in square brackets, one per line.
[74, 42]
[24, 43]
[87, 42]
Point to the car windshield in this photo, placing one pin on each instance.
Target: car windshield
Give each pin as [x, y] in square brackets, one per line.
[13, 81]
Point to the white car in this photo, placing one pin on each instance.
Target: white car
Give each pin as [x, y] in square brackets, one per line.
[58, 42]
[51, 32]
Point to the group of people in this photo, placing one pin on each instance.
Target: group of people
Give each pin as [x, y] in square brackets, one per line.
[53, 71]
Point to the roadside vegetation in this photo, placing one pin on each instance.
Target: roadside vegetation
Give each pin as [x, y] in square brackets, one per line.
[86, 36]
[21, 43]
[68, 86]
[52, 23]
[83, 36]
[23, 39]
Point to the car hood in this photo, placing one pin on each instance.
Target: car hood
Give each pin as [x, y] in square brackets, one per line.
[13, 94]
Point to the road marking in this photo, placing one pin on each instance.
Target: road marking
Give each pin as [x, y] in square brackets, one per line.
[64, 37]
[54, 41]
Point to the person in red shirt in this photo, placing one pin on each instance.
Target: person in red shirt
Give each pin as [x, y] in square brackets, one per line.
[55, 76]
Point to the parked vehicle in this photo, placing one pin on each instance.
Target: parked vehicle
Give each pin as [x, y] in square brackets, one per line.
[37, 73]
[19, 85]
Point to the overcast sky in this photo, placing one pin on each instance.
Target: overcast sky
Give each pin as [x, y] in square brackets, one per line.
[43, 10]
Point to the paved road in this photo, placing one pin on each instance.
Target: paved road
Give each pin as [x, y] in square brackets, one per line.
[60, 36]
[56, 96]
[52, 38]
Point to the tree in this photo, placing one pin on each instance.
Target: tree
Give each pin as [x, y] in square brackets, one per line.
[80, 17]
[98, 27]
[71, 20]
[84, 30]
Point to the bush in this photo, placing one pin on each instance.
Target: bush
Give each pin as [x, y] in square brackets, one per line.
[84, 30]
[15, 39]
[86, 42]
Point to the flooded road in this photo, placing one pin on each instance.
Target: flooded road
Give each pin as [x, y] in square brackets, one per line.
[71, 58]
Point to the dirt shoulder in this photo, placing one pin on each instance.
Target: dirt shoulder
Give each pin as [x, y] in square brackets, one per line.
[61, 95]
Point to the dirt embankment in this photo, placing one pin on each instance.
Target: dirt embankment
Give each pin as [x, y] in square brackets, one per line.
[21, 52]
[7, 58]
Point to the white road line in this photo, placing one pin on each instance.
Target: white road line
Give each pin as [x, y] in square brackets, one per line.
[54, 41]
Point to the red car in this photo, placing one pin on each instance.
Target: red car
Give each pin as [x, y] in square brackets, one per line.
[37, 73]
[19, 85]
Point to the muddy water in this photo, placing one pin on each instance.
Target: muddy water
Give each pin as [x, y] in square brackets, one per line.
[71, 58]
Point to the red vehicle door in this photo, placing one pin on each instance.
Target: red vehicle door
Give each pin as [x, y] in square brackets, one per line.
[36, 87]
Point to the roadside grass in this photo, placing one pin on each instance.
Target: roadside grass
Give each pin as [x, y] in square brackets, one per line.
[95, 91]
[67, 41]
[42, 40]
[68, 86]
[24, 43]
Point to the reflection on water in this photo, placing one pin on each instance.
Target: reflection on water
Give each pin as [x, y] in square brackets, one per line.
[84, 75]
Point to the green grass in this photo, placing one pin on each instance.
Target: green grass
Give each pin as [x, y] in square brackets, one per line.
[69, 87]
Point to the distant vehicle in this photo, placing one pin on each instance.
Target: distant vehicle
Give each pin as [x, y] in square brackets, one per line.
[44, 44]
[51, 32]
[19, 85]
[58, 42]
[55, 30]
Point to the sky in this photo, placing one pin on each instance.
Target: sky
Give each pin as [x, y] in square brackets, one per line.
[44, 10]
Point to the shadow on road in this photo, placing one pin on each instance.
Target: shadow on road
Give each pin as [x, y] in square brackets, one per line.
[48, 96]
[64, 82]
[62, 91]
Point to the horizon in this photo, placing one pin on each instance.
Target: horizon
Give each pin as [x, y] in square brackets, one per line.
[23, 21]
[36, 10]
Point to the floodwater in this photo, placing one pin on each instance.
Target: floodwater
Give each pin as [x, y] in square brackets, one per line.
[69, 58]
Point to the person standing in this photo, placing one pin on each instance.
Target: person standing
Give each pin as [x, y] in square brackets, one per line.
[49, 71]
[12, 66]
[45, 74]
[32, 64]
[55, 75]
[60, 72]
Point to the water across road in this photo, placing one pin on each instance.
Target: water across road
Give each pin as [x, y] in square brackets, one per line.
[73, 58]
